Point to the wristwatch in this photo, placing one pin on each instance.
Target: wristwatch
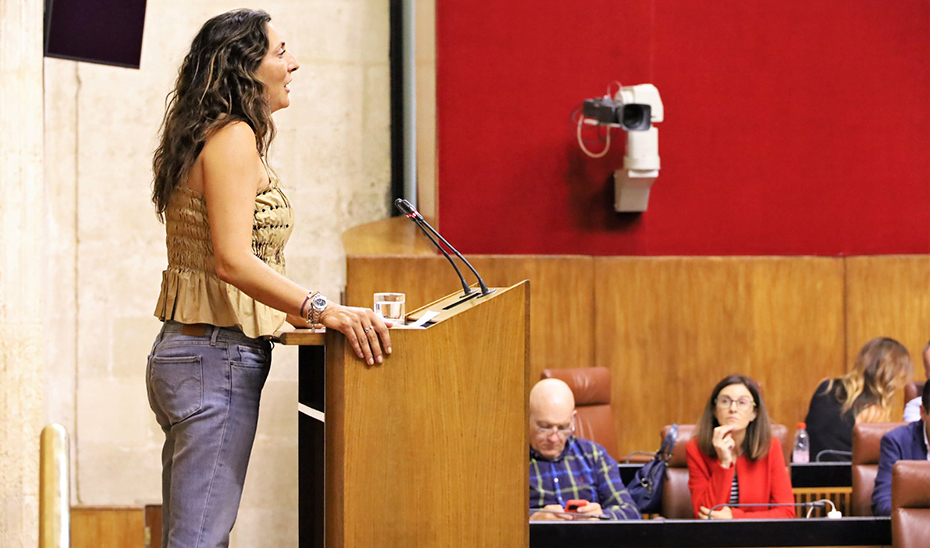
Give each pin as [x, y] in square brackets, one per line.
[318, 304]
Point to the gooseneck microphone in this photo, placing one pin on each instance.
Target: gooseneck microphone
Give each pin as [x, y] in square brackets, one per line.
[833, 514]
[407, 209]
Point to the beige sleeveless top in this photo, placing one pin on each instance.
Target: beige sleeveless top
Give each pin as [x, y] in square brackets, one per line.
[190, 290]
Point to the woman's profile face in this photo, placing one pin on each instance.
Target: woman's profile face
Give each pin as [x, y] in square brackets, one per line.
[735, 406]
[275, 71]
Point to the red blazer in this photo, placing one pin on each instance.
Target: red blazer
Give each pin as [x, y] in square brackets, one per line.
[765, 480]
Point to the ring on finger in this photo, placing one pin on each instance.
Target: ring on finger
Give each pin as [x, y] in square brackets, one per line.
[369, 328]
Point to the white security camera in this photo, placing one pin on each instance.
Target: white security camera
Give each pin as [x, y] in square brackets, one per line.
[635, 109]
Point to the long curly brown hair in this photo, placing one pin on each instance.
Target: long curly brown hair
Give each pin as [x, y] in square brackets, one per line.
[216, 86]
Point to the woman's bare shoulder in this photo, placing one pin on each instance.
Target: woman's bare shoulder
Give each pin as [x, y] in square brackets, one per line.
[230, 157]
[237, 135]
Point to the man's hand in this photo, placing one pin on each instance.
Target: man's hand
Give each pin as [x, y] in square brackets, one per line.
[546, 516]
[590, 509]
[723, 513]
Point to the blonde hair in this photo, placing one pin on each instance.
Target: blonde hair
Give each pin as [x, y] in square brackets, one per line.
[882, 367]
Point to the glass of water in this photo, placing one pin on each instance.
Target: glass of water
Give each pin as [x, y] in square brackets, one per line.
[391, 306]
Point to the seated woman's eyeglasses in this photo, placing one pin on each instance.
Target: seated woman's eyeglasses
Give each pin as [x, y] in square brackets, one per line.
[561, 430]
[742, 404]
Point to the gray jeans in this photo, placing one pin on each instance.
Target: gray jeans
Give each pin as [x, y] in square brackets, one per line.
[204, 385]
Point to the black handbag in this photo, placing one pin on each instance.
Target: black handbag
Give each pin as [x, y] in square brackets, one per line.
[646, 485]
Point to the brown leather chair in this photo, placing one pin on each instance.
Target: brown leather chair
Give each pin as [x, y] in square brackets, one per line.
[591, 387]
[676, 497]
[913, 390]
[910, 504]
[780, 431]
[867, 438]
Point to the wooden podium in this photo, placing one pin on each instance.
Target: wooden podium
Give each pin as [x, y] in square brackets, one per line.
[428, 449]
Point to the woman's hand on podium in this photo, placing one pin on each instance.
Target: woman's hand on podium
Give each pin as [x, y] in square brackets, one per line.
[367, 332]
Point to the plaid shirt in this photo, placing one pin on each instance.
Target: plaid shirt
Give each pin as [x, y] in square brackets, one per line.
[584, 470]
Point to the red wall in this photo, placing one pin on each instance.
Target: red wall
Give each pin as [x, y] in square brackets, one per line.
[791, 127]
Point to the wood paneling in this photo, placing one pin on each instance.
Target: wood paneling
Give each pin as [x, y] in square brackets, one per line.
[93, 527]
[561, 289]
[561, 305]
[888, 296]
[153, 525]
[670, 328]
[397, 235]
[422, 278]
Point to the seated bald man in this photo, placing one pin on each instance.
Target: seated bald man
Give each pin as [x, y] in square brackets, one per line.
[564, 468]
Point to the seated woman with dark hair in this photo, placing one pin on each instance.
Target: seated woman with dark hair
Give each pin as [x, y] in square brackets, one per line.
[733, 458]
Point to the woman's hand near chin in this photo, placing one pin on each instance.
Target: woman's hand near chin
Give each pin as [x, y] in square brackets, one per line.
[725, 445]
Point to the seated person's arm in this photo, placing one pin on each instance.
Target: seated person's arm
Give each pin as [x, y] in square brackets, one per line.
[780, 485]
[708, 482]
[615, 501]
[881, 494]
[547, 515]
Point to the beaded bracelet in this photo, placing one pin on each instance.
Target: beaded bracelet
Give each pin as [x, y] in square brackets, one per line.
[302, 313]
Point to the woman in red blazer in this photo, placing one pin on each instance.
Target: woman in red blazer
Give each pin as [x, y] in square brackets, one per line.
[733, 457]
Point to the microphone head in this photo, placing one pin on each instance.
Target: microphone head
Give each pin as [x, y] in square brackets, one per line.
[404, 206]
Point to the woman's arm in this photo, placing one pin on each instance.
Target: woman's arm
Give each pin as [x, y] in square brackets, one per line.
[779, 484]
[708, 482]
[232, 173]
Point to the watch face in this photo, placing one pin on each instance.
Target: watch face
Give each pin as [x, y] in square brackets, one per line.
[319, 302]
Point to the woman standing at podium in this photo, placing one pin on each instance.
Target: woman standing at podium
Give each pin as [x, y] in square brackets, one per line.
[736, 469]
[224, 293]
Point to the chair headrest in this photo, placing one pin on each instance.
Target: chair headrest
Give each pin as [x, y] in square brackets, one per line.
[910, 484]
[590, 385]
[867, 437]
[679, 458]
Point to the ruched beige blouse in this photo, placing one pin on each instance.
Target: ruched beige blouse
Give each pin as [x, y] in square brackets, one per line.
[191, 292]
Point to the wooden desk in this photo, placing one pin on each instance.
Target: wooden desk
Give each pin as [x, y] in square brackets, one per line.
[712, 534]
[311, 433]
[389, 451]
[810, 482]
[823, 480]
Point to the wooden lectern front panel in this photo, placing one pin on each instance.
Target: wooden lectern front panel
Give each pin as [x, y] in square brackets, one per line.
[430, 448]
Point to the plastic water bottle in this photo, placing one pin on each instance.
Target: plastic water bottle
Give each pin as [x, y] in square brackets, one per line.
[802, 445]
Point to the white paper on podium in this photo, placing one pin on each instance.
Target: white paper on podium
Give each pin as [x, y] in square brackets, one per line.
[419, 324]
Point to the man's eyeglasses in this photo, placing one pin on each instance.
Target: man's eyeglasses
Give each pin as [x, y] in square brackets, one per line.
[558, 429]
[742, 404]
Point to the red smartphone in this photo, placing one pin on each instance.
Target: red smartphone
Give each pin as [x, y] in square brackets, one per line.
[574, 504]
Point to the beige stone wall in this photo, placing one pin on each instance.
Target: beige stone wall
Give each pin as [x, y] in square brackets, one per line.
[107, 248]
[22, 299]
